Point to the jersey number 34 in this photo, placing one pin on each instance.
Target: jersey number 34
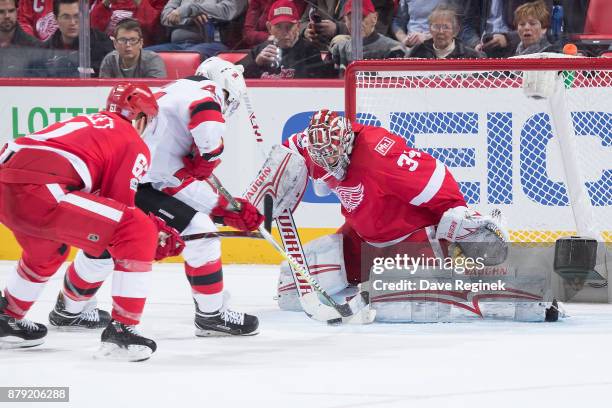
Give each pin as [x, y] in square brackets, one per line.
[407, 160]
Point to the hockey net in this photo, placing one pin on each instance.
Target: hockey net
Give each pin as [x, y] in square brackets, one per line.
[502, 146]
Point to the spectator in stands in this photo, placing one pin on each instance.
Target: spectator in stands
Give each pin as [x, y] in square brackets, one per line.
[325, 21]
[574, 15]
[11, 34]
[129, 60]
[444, 27]
[200, 26]
[36, 18]
[410, 25]
[287, 54]
[386, 13]
[322, 21]
[105, 14]
[16, 47]
[64, 60]
[375, 45]
[255, 23]
[488, 26]
[532, 21]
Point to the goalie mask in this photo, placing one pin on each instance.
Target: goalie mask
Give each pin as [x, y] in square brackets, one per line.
[229, 77]
[330, 141]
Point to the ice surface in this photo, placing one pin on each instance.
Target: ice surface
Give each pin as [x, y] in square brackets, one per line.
[296, 362]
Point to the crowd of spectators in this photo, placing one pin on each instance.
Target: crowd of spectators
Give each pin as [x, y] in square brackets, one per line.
[277, 38]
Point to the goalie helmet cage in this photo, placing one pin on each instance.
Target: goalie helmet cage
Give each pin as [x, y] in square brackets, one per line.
[546, 163]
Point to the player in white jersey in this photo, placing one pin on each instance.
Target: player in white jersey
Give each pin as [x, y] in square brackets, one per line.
[185, 143]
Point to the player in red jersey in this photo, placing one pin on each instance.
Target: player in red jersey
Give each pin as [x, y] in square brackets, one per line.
[73, 184]
[389, 192]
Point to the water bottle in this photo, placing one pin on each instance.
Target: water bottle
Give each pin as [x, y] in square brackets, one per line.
[279, 56]
[557, 22]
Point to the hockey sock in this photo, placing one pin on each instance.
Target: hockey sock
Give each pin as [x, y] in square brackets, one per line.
[23, 287]
[131, 281]
[207, 285]
[83, 279]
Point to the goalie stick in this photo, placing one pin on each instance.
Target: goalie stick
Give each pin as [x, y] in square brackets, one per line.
[355, 311]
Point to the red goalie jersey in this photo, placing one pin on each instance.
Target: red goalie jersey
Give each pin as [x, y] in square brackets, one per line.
[390, 189]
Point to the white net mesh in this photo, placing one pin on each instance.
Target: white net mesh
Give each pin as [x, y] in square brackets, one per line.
[501, 145]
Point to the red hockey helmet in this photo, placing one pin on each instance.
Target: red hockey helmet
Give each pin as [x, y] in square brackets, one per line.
[330, 141]
[129, 100]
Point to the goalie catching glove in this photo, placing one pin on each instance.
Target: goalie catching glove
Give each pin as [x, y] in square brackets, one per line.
[247, 219]
[169, 242]
[476, 235]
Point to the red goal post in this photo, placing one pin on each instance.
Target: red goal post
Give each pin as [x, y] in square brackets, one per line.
[545, 162]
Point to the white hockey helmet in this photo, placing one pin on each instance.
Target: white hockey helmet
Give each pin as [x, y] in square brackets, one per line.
[330, 141]
[229, 77]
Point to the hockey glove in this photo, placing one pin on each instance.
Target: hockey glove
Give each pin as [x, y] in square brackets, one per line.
[200, 166]
[169, 242]
[197, 167]
[478, 236]
[247, 219]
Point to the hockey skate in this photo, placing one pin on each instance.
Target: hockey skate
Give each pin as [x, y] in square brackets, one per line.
[123, 342]
[90, 318]
[225, 322]
[16, 333]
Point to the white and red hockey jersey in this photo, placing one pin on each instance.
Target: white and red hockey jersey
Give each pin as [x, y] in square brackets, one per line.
[189, 116]
[36, 18]
[390, 189]
[106, 151]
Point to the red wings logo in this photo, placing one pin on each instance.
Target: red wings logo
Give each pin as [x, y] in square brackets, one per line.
[46, 26]
[350, 197]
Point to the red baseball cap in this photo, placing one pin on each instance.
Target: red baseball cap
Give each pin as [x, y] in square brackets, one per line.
[366, 7]
[283, 11]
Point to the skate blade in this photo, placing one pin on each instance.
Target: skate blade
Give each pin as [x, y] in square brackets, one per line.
[214, 333]
[14, 342]
[134, 352]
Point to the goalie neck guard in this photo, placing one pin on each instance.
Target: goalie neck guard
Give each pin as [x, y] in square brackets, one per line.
[330, 141]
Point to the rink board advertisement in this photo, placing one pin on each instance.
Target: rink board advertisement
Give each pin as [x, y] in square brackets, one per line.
[507, 169]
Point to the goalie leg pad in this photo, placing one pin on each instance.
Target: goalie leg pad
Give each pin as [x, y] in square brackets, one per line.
[326, 263]
[404, 311]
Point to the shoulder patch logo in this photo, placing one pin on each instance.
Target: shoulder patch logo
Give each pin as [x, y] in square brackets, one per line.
[350, 197]
[384, 145]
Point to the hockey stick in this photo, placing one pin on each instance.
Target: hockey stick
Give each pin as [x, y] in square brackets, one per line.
[333, 312]
[254, 126]
[223, 234]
